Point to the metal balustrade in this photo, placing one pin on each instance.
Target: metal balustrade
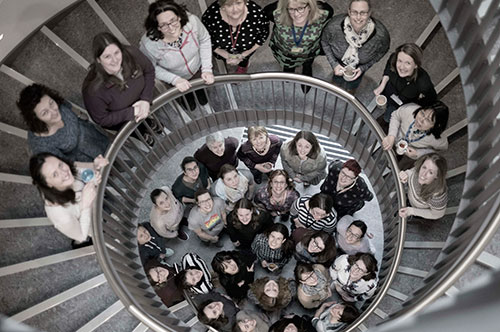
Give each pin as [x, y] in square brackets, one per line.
[234, 101]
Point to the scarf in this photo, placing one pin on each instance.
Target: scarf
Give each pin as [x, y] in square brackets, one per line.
[233, 195]
[355, 41]
[318, 288]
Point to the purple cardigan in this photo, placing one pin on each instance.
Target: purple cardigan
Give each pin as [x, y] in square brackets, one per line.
[111, 107]
[248, 155]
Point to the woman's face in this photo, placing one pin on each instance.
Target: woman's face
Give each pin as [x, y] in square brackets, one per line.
[235, 9]
[143, 235]
[168, 23]
[303, 148]
[259, 142]
[424, 120]
[57, 174]
[271, 289]
[359, 13]
[213, 310]
[353, 234]
[193, 276]
[318, 213]
[290, 328]
[358, 270]
[405, 65]
[247, 325]
[230, 267]
[346, 177]
[47, 111]
[159, 274]
[336, 311]
[205, 203]
[278, 184]
[309, 278]
[276, 240]
[316, 245]
[298, 11]
[244, 215]
[191, 170]
[428, 172]
[231, 179]
[111, 59]
[217, 148]
[163, 202]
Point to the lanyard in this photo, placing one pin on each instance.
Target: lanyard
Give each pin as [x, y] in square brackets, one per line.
[297, 42]
[235, 39]
[407, 135]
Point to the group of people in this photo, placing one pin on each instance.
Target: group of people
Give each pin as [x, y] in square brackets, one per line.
[257, 206]
[269, 225]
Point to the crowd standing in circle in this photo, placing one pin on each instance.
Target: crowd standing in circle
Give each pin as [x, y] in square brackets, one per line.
[270, 224]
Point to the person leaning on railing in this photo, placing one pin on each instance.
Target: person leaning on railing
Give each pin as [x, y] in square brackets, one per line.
[54, 128]
[355, 39]
[68, 200]
[427, 191]
[179, 46]
[419, 128]
[237, 29]
[119, 85]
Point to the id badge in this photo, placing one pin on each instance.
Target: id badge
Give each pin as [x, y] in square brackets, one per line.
[396, 99]
[297, 49]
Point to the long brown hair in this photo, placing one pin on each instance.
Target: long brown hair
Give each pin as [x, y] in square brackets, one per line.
[310, 138]
[290, 185]
[97, 76]
[326, 255]
[244, 203]
[412, 50]
[438, 186]
[267, 303]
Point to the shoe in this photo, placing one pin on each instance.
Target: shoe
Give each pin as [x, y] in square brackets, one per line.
[241, 70]
[284, 217]
[258, 178]
[169, 252]
[149, 140]
[202, 97]
[182, 235]
[305, 88]
[78, 245]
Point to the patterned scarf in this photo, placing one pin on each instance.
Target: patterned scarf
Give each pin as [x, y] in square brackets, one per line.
[355, 40]
[318, 288]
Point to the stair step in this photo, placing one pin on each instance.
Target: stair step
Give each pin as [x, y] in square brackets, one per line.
[413, 272]
[421, 259]
[102, 318]
[9, 91]
[15, 155]
[123, 321]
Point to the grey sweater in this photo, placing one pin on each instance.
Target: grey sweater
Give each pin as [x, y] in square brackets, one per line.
[334, 43]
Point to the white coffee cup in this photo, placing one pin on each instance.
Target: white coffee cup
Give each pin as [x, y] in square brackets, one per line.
[401, 147]
[349, 73]
[381, 101]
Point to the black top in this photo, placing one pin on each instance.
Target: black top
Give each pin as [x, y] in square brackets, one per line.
[246, 233]
[245, 260]
[213, 162]
[154, 248]
[303, 324]
[180, 189]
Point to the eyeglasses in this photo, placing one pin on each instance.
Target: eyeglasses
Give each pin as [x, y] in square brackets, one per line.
[299, 10]
[344, 174]
[195, 168]
[356, 13]
[350, 234]
[279, 182]
[316, 244]
[308, 277]
[205, 201]
[356, 266]
[427, 117]
[164, 26]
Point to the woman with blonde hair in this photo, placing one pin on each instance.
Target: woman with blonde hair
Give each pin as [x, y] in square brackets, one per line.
[298, 24]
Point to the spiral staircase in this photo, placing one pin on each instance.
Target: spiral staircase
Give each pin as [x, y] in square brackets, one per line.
[46, 285]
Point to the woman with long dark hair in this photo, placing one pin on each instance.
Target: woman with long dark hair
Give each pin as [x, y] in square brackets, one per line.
[236, 272]
[67, 198]
[119, 85]
[316, 247]
[273, 248]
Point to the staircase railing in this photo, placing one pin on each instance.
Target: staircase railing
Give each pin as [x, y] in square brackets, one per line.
[235, 101]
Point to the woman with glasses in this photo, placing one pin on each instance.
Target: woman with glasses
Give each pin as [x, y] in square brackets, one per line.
[351, 236]
[316, 247]
[418, 129]
[273, 248]
[194, 176]
[236, 272]
[233, 185]
[348, 190]
[404, 82]
[162, 278]
[355, 276]
[313, 283]
[179, 46]
[303, 159]
[333, 317]
[237, 29]
[298, 24]
[207, 218]
[245, 222]
[427, 191]
[355, 39]
[278, 196]
[314, 212]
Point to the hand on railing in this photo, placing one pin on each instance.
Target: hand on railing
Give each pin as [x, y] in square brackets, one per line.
[388, 142]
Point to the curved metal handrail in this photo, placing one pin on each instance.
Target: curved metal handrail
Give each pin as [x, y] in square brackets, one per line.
[106, 245]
